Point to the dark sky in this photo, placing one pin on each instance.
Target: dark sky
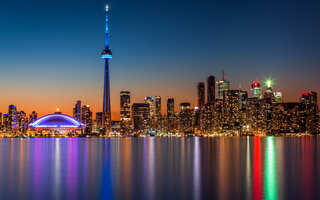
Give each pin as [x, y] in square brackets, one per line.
[50, 49]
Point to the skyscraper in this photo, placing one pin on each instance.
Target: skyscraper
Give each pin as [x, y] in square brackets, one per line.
[125, 112]
[308, 111]
[157, 106]
[223, 85]
[211, 91]
[12, 118]
[5, 123]
[170, 114]
[230, 110]
[157, 125]
[309, 98]
[141, 117]
[207, 118]
[268, 94]
[201, 94]
[106, 55]
[0, 121]
[86, 118]
[33, 117]
[22, 122]
[77, 111]
[99, 120]
[185, 119]
[256, 90]
[150, 101]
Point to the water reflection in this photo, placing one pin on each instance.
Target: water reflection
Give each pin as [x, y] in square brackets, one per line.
[270, 171]
[160, 168]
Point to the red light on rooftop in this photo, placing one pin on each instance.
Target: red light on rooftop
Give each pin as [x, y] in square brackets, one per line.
[256, 84]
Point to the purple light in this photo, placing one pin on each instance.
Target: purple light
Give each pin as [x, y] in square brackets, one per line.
[56, 121]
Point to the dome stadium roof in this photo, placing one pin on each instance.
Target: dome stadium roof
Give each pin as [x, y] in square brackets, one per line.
[56, 121]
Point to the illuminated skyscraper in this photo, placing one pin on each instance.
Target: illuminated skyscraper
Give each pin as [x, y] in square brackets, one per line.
[33, 117]
[158, 119]
[230, 110]
[106, 55]
[185, 119]
[99, 120]
[157, 106]
[256, 90]
[5, 123]
[86, 118]
[308, 111]
[77, 111]
[12, 118]
[207, 118]
[266, 116]
[141, 117]
[150, 101]
[211, 91]
[0, 121]
[268, 94]
[125, 112]
[170, 114]
[253, 115]
[201, 94]
[22, 122]
[309, 98]
[223, 85]
[243, 96]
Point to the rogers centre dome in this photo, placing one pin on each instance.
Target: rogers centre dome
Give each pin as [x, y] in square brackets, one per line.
[56, 121]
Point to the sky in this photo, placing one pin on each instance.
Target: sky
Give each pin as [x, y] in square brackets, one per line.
[50, 50]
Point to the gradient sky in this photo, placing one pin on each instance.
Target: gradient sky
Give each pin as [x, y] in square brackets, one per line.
[50, 49]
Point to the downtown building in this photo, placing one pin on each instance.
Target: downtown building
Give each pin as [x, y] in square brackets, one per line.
[171, 117]
[185, 119]
[230, 111]
[141, 117]
[86, 118]
[222, 85]
[125, 112]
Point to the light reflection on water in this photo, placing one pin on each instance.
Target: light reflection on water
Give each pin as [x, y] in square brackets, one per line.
[160, 168]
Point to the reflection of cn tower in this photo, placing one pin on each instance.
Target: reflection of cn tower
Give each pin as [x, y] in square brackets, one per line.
[106, 55]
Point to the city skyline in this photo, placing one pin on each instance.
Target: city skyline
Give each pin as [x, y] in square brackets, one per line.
[44, 86]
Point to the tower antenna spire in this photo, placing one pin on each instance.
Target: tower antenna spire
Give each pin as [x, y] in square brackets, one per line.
[107, 28]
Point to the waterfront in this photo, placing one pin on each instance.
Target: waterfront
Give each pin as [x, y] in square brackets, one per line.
[160, 168]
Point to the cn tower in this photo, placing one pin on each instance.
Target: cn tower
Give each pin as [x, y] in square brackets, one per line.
[106, 55]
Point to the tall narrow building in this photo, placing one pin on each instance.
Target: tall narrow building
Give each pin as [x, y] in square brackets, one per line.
[99, 120]
[211, 92]
[86, 118]
[77, 111]
[256, 90]
[33, 117]
[106, 55]
[201, 94]
[125, 112]
[170, 114]
[12, 118]
[223, 85]
[150, 101]
[157, 106]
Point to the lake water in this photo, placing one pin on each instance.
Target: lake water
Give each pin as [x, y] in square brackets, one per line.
[160, 168]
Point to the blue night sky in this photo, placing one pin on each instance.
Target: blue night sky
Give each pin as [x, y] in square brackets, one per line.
[50, 50]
